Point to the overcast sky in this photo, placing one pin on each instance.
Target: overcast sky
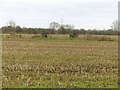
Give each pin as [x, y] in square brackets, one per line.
[87, 14]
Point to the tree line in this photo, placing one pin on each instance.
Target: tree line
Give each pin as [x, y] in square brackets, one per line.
[56, 28]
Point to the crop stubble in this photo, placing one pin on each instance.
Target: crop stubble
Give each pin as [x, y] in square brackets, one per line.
[60, 64]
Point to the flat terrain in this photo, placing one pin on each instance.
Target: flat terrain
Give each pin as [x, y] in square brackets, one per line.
[48, 63]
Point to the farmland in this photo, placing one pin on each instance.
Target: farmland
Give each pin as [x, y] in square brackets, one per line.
[60, 62]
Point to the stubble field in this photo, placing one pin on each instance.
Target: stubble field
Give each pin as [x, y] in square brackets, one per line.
[59, 63]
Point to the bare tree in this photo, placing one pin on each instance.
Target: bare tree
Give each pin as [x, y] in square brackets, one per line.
[12, 26]
[69, 27]
[54, 26]
[11, 23]
[115, 25]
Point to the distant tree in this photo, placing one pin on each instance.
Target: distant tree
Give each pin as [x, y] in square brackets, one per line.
[11, 25]
[82, 31]
[61, 29]
[115, 25]
[68, 28]
[54, 27]
[6, 29]
[65, 29]
[19, 29]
